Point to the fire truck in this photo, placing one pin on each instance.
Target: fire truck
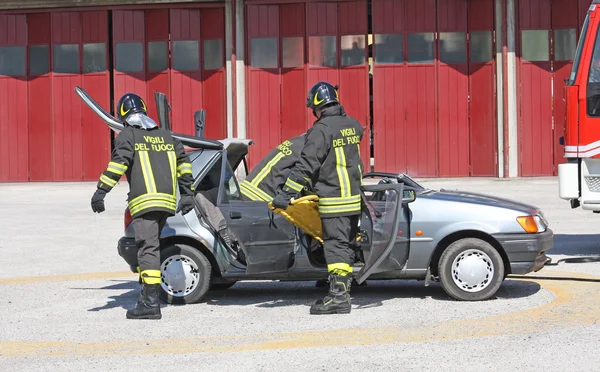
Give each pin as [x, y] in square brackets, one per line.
[579, 176]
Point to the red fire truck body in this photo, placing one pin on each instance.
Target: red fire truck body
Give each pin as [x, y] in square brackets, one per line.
[579, 177]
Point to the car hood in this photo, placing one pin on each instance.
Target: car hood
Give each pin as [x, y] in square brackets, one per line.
[458, 196]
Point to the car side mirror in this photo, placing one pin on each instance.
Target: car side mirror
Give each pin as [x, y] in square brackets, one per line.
[409, 196]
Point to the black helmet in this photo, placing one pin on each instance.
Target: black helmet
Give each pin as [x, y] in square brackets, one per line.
[130, 104]
[320, 95]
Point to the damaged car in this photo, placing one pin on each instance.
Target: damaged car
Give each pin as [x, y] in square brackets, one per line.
[468, 242]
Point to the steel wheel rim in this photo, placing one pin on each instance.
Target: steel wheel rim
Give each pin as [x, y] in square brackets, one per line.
[472, 270]
[179, 275]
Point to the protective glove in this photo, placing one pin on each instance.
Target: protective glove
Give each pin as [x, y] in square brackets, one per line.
[281, 201]
[186, 204]
[98, 201]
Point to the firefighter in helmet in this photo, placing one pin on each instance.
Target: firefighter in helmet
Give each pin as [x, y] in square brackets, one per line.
[154, 163]
[330, 160]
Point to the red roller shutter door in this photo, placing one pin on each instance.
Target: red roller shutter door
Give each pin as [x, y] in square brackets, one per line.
[354, 70]
[157, 61]
[14, 161]
[453, 89]
[482, 106]
[263, 93]
[294, 116]
[41, 156]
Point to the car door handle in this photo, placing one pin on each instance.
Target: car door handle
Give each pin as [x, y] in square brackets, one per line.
[235, 215]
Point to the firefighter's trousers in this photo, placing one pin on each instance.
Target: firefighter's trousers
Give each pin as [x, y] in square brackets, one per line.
[337, 235]
[147, 232]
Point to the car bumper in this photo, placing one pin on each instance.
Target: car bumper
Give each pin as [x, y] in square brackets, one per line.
[526, 252]
[128, 250]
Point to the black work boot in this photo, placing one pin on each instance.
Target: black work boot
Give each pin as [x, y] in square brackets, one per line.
[148, 306]
[337, 300]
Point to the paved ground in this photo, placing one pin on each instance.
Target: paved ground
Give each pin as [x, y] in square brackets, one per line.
[64, 291]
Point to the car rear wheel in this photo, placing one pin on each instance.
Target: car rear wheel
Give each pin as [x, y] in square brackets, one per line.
[471, 269]
[186, 274]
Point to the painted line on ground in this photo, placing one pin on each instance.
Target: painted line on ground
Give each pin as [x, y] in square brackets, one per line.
[65, 277]
[576, 303]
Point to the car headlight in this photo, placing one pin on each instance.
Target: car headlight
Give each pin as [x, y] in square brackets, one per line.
[532, 224]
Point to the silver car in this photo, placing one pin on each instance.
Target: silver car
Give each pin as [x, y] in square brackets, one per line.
[468, 242]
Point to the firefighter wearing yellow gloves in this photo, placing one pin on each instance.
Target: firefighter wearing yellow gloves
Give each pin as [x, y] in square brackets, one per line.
[154, 163]
[330, 160]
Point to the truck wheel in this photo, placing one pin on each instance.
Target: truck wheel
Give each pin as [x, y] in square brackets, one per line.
[186, 274]
[471, 269]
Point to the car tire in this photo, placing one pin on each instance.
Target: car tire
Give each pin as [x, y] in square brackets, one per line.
[186, 274]
[482, 259]
[221, 286]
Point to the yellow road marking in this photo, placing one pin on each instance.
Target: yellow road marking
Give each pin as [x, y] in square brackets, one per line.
[64, 277]
[576, 303]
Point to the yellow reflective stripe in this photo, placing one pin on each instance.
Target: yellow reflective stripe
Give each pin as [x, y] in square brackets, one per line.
[293, 185]
[151, 276]
[339, 266]
[172, 165]
[184, 168]
[110, 182]
[342, 172]
[267, 169]
[147, 171]
[339, 209]
[152, 204]
[258, 192]
[155, 196]
[116, 168]
[249, 194]
[338, 201]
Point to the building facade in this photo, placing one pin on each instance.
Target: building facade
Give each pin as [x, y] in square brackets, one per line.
[445, 88]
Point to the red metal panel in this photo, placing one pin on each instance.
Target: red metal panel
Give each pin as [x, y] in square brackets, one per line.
[389, 105]
[584, 5]
[535, 124]
[321, 20]
[66, 106]
[157, 81]
[421, 130]
[13, 107]
[186, 86]
[564, 17]
[40, 104]
[482, 118]
[453, 125]
[128, 26]
[293, 77]
[354, 80]
[213, 80]
[96, 135]
[263, 93]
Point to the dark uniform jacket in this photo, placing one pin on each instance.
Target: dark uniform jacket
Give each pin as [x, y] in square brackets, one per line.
[153, 161]
[272, 171]
[330, 160]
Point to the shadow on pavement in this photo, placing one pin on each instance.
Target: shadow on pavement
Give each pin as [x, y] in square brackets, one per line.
[576, 245]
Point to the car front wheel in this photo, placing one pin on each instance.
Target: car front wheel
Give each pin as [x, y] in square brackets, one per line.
[185, 274]
[471, 269]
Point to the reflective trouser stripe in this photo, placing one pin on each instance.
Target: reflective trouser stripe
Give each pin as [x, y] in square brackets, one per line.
[267, 169]
[147, 172]
[151, 276]
[339, 268]
[174, 175]
[342, 172]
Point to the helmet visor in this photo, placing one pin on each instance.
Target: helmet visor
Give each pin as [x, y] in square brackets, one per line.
[141, 120]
